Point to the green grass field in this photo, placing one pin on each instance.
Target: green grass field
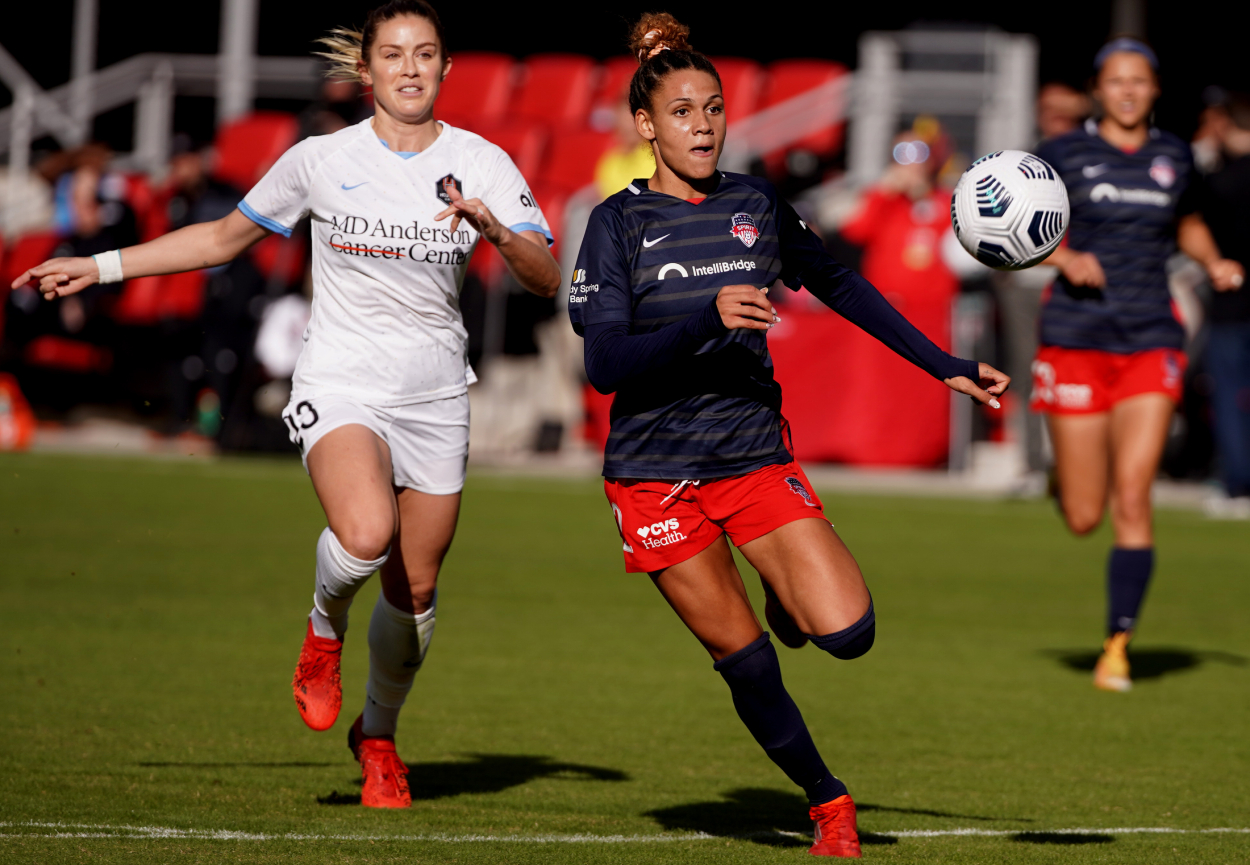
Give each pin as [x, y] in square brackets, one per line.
[153, 612]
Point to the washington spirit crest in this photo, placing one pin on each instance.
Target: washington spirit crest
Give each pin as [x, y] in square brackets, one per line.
[742, 226]
[796, 487]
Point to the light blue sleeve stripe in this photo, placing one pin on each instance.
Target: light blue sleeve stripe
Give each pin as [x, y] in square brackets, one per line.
[263, 221]
[533, 226]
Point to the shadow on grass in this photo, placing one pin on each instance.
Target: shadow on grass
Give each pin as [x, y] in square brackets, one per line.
[1062, 838]
[483, 773]
[176, 764]
[1149, 663]
[767, 817]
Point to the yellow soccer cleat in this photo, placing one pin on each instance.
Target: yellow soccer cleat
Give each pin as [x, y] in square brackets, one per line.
[1111, 673]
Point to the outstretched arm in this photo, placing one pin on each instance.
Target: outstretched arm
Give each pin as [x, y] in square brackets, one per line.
[206, 244]
[855, 299]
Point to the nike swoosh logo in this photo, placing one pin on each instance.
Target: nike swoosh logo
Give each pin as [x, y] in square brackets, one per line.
[1094, 170]
[349, 188]
[647, 244]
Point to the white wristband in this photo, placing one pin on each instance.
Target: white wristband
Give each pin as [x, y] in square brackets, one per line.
[110, 266]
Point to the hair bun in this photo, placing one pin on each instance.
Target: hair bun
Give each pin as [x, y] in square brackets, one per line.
[656, 32]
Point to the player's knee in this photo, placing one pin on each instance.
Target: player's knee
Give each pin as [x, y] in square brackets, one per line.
[1082, 520]
[850, 643]
[366, 539]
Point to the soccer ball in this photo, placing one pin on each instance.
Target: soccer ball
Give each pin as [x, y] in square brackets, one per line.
[1010, 210]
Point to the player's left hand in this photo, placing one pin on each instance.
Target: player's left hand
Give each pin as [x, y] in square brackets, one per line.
[1226, 274]
[996, 384]
[472, 211]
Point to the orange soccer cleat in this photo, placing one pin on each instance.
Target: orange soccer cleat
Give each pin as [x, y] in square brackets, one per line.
[1111, 673]
[317, 687]
[783, 627]
[384, 774]
[835, 829]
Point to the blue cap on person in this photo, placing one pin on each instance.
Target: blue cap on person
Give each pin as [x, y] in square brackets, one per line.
[1126, 43]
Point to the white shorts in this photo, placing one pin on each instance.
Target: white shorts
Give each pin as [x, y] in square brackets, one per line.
[429, 441]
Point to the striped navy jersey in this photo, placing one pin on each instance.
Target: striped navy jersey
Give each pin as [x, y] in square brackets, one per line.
[1124, 210]
[651, 265]
[651, 259]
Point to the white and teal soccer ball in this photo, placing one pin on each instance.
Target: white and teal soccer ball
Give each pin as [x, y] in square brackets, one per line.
[1010, 210]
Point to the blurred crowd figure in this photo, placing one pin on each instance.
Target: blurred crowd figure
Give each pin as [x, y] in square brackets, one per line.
[1224, 141]
[630, 155]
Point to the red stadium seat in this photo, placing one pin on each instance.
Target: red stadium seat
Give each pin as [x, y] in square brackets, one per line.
[27, 251]
[613, 83]
[556, 89]
[280, 258]
[248, 147]
[524, 141]
[572, 157]
[143, 200]
[741, 81]
[788, 78]
[150, 299]
[67, 355]
[478, 90]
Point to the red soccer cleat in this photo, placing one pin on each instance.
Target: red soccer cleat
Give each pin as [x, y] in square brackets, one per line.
[384, 774]
[835, 829]
[317, 687]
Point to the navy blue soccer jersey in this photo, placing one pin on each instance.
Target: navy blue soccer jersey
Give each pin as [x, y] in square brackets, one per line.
[1124, 211]
[651, 262]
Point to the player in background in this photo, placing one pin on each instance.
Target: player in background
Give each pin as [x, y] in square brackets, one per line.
[1109, 368]
[670, 295]
[379, 406]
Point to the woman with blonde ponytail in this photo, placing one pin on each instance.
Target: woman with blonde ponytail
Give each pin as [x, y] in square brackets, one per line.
[671, 295]
[379, 405]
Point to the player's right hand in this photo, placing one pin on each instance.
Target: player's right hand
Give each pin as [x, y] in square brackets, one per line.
[58, 277]
[1083, 269]
[746, 307]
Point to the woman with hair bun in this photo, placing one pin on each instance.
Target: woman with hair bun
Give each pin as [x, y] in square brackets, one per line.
[379, 405]
[670, 294]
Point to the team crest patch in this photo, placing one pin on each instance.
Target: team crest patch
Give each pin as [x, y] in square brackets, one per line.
[742, 226]
[796, 487]
[442, 193]
[1163, 172]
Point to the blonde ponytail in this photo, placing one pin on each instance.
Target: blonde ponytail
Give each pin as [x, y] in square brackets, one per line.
[344, 54]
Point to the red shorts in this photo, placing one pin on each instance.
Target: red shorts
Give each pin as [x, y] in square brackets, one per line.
[665, 523]
[1086, 381]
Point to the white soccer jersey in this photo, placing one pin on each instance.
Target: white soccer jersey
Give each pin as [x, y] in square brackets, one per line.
[386, 326]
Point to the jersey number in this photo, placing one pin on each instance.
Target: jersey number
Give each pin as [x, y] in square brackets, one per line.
[302, 418]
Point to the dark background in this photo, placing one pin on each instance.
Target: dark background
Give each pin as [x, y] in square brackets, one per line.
[1199, 43]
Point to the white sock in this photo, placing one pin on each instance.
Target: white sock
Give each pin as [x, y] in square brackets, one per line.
[339, 577]
[398, 642]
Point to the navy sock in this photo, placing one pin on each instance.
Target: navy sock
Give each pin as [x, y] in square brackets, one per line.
[1128, 574]
[850, 643]
[754, 678]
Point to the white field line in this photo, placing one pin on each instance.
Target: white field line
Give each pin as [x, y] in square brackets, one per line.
[97, 830]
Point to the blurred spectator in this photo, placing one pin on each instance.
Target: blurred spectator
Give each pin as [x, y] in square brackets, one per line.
[341, 105]
[1060, 109]
[91, 214]
[192, 195]
[1227, 213]
[630, 155]
[901, 223]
